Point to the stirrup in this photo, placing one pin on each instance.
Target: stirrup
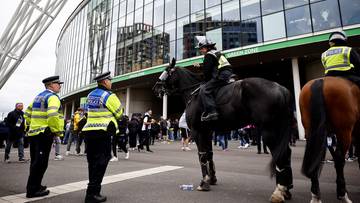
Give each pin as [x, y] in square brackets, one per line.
[209, 117]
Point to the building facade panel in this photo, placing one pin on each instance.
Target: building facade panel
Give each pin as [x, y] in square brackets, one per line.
[126, 36]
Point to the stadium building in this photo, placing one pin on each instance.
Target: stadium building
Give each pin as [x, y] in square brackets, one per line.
[281, 40]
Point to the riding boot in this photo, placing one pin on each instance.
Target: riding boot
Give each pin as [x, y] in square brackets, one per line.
[212, 171]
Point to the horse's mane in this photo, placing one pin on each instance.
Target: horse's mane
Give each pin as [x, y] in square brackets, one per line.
[188, 76]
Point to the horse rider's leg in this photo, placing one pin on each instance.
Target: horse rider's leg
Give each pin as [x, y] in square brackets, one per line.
[339, 159]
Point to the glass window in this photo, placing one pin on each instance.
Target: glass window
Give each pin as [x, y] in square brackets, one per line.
[130, 6]
[274, 26]
[250, 9]
[298, 21]
[183, 27]
[182, 8]
[197, 25]
[231, 25]
[170, 10]
[130, 19]
[197, 5]
[325, 15]
[271, 6]
[148, 14]
[138, 4]
[350, 12]
[215, 36]
[170, 30]
[159, 14]
[148, 1]
[179, 49]
[251, 32]
[213, 18]
[138, 24]
[122, 11]
[294, 3]
[115, 14]
[210, 3]
[231, 11]
[169, 52]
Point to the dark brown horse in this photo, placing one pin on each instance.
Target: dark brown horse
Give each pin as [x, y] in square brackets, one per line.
[329, 105]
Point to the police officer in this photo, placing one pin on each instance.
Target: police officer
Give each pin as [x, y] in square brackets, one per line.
[104, 109]
[45, 120]
[217, 72]
[340, 59]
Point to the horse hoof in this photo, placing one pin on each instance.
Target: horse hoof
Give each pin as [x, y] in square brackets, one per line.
[204, 186]
[213, 180]
[278, 195]
[315, 198]
[345, 199]
[287, 195]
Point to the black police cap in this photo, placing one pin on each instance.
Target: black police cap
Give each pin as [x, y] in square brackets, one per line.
[103, 76]
[52, 79]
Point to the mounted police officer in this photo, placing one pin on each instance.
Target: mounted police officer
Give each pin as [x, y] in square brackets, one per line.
[45, 118]
[104, 109]
[340, 59]
[217, 72]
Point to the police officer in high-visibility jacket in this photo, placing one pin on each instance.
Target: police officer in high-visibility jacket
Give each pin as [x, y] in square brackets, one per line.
[217, 72]
[104, 109]
[340, 59]
[45, 120]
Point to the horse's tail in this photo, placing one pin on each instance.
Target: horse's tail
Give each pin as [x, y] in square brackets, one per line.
[315, 144]
[284, 130]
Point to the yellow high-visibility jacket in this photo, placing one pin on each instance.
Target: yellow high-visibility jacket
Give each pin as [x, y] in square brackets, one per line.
[45, 112]
[103, 106]
[337, 58]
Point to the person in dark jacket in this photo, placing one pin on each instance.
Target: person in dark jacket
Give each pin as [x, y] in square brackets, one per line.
[16, 124]
[217, 72]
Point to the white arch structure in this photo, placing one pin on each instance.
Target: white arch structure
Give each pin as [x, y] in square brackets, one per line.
[29, 22]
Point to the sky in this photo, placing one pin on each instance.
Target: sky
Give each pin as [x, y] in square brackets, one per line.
[25, 83]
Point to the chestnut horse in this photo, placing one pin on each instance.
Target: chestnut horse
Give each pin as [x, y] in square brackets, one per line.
[329, 105]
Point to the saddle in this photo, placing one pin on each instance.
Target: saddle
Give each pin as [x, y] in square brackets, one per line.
[222, 94]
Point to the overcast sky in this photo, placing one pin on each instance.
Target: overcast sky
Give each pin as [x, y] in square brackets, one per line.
[25, 82]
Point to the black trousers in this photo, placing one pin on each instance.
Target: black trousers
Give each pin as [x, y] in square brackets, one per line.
[98, 157]
[121, 141]
[40, 147]
[144, 139]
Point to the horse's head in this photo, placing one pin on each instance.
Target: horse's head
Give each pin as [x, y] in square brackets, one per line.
[166, 82]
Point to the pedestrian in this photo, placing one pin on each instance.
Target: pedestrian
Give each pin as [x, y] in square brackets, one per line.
[120, 139]
[73, 137]
[16, 124]
[4, 132]
[185, 133]
[145, 132]
[56, 144]
[104, 109]
[163, 129]
[45, 118]
[67, 132]
[133, 127]
[78, 116]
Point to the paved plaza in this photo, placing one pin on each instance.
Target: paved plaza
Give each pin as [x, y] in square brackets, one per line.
[156, 177]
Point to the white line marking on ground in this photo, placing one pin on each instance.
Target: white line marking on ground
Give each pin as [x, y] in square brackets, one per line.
[81, 185]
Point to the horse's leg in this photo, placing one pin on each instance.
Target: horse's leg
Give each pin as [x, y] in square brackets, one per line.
[212, 171]
[203, 142]
[315, 190]
[344, 140]
[283, 171]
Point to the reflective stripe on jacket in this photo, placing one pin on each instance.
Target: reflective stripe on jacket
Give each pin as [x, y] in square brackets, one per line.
[223, 62]
[45, 111]
[103, 107]
[337, 58]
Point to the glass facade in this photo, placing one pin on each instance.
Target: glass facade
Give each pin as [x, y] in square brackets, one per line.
[124, 36]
